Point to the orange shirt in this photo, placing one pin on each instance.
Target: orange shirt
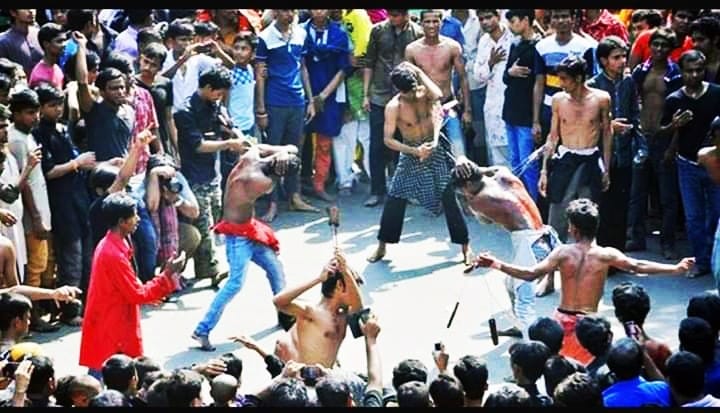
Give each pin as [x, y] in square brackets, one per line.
[641, 47]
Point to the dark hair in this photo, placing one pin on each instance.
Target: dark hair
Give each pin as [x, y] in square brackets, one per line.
[103, 176]
[332, 392]
[594, 334]
[250, 38]
[446, 391]
[179, 27]
[521, 14]
[573, 12]
[119, 61]
[707, 307]
[690, 56]
[48, 32]
[5, 82]
[708, 26]
[435, 11]
[496, 12]
[77, 19]
[62, 390]
[137, 16]
[578, 390]
[400, 11]
[118, 206]
[48, 93]
[155, 51]
[666, 34]
[233, 365]
[696, 335]
[413, 394]
[685, 373]
[148, 35]
[92, 60]
[403, 78]
[84, 384]
[652, 17]
[608, 44]
[203, 29]
[530, 356]
[43, 371]
[473, 375]
[573, 66]
[327, 288]
[289, 392]
[217, 77]
[156, 395]
[151, 377]
[118, 371]
[184, 386]
[509, 395]
[24, 99]
[547, 331]
[625, 359]
[409, 370]
[583, 214]
[12, 306]
[8, 67]
[110, 398]
[631, 302]
[270, 168]
[106, 76]
[556, 369]
[157, 160]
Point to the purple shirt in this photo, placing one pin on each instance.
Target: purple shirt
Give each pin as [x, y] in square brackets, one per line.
[22, 48]
[126, 42]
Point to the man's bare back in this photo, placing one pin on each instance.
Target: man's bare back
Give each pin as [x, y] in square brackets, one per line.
[436, 60]
[581, 121]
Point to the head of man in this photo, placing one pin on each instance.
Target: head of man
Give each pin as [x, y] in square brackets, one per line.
[413, 394]
[631, 302]
[446, 391]
[398, 17]
[25, 109]
[15, 312]
[594, 334]
[183, 389]
[223, 389]
[120, 212]
[692, 65]
[707, 307]
[680, 22]
[147, 382]
[572, 72]
[319, 16]
[271, 167]
[662, 42]
[583, 219]
[244, 46]
[102, 177]
[527, 360]
[489, 19]
[405, 81]
[170, 188]
[696, 336]
[51, 101]
[519, 20]
[548, 331]
[82, 389]
[685, 373]
[509, 395]
[151, 59]
[562, 20]
[705, 34]
[112, 85]
[556, 369]
[214, 84]
[5, 86]
[110, 398]
[179, 35]
[473, 375]
[578, 390]
[52, 39]
[285, 17]
[332, 391]
[625, 359]
[22, 16]
[409, 370]
[289, 392]
[431, 20]
[82, 20]
[612, 52]
[119, 374]
[644, 19]
[714, 131]
[42, 379]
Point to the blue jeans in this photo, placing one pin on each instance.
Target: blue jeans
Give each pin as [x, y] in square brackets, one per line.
[146, 245]
[522, 298]
[520, 146]
[715, 260]
[240, 251]
[701, 202]
[478, 151]
[452, 127]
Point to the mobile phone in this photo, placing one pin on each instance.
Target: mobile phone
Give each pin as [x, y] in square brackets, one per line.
[9, 369]
[354, 321]
[631, 329]
[438, 346]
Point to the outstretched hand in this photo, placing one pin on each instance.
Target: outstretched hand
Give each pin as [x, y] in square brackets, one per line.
[485, 260]
[685, 264]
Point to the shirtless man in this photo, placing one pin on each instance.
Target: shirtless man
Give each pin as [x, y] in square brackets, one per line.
[494, 194]
[425, 164]
[709, 158]
[583, 267]
[655, 79]
[320, 328]
[580, 121]
[248, 239]
[437, 56]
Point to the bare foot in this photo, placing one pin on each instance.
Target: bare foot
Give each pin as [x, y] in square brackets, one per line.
[545, 286]
[270, 214]
[297, 204]
[467, 254]
[378, 254]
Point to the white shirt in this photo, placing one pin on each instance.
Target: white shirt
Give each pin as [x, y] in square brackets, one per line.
[15, 233]
[471, 32]
[20, 144]
[186, 79]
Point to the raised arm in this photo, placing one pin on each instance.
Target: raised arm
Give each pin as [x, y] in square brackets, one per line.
[85, 98]
[549, 264]
[128, 168]
[285, 300]
[628, 264]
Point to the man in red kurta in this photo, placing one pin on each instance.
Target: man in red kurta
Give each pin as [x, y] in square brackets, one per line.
[112, 316]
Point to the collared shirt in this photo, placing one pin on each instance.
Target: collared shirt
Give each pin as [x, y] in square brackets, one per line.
[605, 25]
[624, 104]
[126, 42]
[452, 27]
[161, 91]
[386, 50]
[484, 76]
[637, 392]
[145, 118]
[22, 48]
[672, 77]
[68, 194]
[20, 145]
[187, 77]
[551, 53]
[283, 59]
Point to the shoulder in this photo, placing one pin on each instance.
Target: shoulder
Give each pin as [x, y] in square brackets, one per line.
[603, 95]
[559, 97]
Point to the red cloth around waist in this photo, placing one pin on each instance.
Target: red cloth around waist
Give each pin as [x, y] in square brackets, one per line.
[252, 229]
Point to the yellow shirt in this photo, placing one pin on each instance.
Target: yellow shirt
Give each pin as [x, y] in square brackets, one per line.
[358, 25]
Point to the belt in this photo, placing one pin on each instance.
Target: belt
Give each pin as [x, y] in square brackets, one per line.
[571, 312]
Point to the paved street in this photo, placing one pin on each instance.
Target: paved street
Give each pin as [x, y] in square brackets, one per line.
[413, 291]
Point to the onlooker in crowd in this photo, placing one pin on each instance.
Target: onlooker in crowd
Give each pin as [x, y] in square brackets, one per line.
[679, 24]
[126, 41]
[20, 43]
[595, 335]
[642, 20]
[705, 34]
[686, 377]
[52, 39]
[578, 390]
[473, 375]
[527, 361]
[600, 23]
[707, 307]
[509, 395]
[696, 336]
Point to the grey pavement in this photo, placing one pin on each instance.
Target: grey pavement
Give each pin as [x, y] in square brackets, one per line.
[412, 290]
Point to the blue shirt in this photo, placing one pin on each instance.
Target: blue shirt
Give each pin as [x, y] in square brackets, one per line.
[242, 97]
[637, 392]
[712, 379]
[283, 59]
[672, 77]
[452, 28]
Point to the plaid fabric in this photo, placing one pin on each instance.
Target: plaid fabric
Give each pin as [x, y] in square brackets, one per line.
[165, 221]
[242, 76]
[145, 118]
[424, 181]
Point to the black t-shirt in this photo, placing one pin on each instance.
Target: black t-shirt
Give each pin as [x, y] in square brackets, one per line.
[693, 135]
[98, 226]
[517, 107]
[162, 93]
[109, 131]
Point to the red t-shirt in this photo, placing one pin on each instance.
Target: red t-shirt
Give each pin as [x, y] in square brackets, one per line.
[641, 47]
